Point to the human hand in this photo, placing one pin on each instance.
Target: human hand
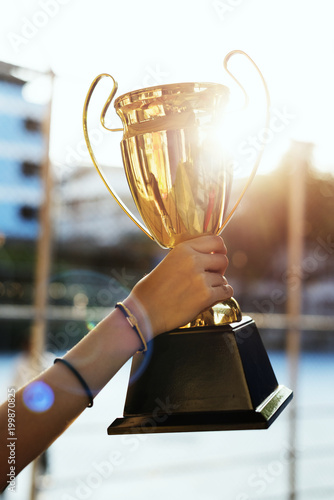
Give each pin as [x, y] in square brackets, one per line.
[188, 280]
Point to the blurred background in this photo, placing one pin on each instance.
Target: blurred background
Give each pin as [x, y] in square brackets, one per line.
[68, 253]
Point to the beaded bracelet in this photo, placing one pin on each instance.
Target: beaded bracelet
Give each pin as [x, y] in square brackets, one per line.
[79, 377]
[133, 323]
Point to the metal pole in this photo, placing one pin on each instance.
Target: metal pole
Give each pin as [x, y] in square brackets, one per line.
[299, 159]
[43, 260]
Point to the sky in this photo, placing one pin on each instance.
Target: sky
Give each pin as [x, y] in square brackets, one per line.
[150, 42]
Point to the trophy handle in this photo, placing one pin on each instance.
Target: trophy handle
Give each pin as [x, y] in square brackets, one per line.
[90, 149]
[259, 156]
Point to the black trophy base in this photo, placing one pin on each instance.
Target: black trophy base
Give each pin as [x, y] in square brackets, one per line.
[202, 379]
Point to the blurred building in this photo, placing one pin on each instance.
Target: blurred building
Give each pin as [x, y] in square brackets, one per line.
[22, 148]
[87, 215]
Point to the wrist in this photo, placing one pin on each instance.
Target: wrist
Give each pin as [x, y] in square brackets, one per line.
[132, 320]
[141, 316]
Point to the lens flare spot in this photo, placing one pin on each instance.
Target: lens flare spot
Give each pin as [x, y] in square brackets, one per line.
[38, 396]
[91, 325]
[80, 300]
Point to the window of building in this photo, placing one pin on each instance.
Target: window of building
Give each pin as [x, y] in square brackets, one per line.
[30, 168]
[32, 125]
[28, 212]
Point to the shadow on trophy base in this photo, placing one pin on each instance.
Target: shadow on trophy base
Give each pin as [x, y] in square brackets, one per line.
[202, 379]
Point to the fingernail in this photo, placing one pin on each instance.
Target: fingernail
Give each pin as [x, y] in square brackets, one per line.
[228, 289]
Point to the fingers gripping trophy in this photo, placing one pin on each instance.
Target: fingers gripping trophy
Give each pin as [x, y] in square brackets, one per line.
[214, 372]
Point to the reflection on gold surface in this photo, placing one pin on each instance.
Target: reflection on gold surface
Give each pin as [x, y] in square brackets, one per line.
[176, 171]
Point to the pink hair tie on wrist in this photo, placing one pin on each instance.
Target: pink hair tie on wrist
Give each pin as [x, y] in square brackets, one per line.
[133, 323]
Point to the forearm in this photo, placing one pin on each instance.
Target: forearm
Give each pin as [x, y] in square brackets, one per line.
[187, 281]
[97, 358]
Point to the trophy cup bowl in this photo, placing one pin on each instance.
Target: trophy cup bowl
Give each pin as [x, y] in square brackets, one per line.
[178, 173]
[214, 372]
[177, 176]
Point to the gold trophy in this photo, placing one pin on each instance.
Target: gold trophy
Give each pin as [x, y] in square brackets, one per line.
[214, 373]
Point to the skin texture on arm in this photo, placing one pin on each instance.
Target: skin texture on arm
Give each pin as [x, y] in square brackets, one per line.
[191, 274]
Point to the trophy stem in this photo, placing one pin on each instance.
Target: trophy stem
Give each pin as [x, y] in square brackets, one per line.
[223, 313]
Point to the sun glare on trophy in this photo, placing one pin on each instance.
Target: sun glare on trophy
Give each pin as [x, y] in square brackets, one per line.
[227, 141]
[242, 129]
[232, 137]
